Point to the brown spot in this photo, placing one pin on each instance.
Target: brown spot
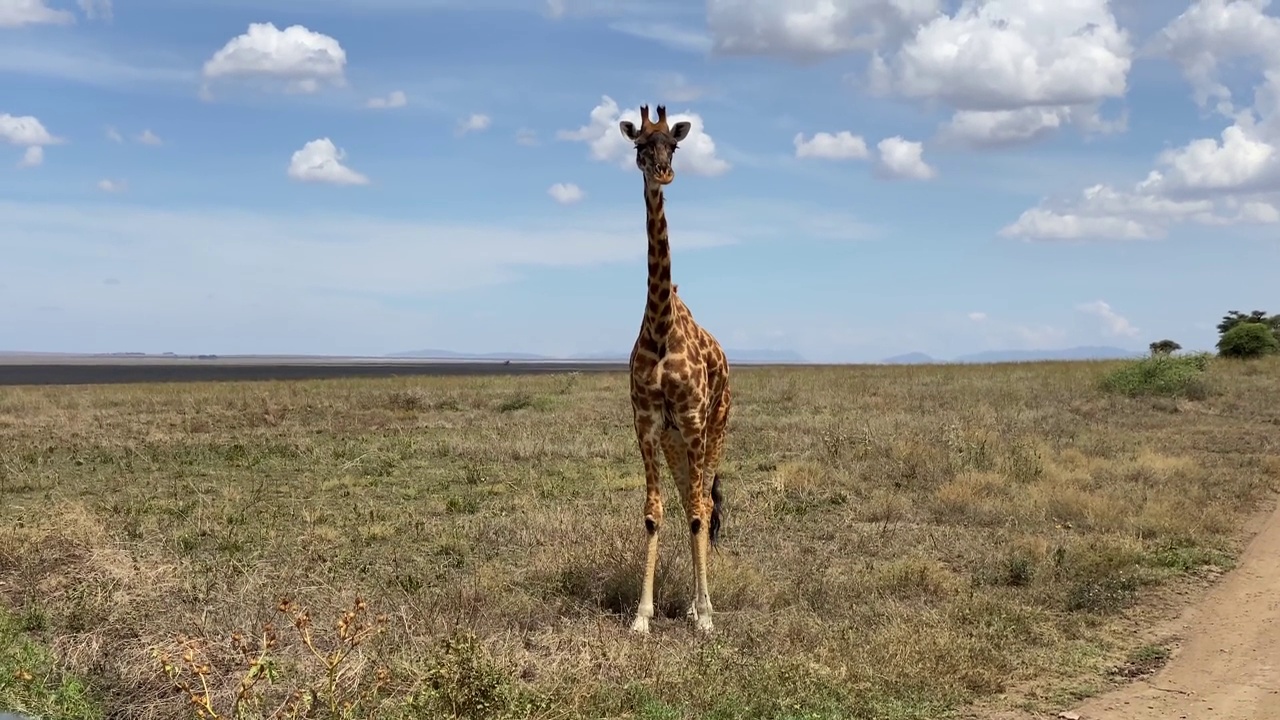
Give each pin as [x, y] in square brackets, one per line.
[664, 294]
[695, 525]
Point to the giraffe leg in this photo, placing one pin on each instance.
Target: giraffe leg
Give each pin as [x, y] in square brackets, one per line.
[699, 516]
[652, 521]
[677, 456]
[717, 429]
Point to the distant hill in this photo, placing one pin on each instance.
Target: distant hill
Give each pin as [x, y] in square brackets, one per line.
[913, 358]
[1083, 352]
[745, 355]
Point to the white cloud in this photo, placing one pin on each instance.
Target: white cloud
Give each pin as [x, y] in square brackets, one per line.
[28, 131]
[396, 99]
[112, 186]
[25, 130]
[526, 137]
[811, 29]
[1211, 31]
[301, 57]
[977, 316]
[1232, 179]
[697, 153]
[1013, 71]
[842, 145]
[566, 193]
[114, 135]
[556, 8]
[146, 137]
[32, 157]
[902, 159]
[1113, 323]
[475, 122]
[321, 161]
[16, 13]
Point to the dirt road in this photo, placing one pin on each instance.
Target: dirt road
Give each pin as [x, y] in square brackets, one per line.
[1228, 667]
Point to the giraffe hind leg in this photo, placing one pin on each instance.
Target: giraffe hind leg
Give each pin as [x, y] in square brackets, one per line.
[693, 434]
[717, 429]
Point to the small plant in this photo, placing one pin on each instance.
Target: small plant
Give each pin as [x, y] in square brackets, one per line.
[1248, 340]
[332, 696]
[1160, 375]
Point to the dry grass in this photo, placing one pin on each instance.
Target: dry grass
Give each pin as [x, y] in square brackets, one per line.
[899, 542]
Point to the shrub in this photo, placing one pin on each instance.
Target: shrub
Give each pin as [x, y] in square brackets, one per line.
[1164, 375]
[1248, 340]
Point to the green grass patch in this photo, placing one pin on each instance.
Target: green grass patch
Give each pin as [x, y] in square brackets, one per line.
[1161, 376]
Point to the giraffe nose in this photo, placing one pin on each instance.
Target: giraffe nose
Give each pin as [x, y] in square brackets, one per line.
[663, 173]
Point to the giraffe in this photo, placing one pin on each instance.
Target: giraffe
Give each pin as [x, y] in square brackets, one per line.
[679, 385]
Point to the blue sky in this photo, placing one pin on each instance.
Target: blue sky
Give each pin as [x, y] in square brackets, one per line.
[334, 176]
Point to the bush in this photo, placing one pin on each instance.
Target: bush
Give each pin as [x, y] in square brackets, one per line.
[1164, 375]
[1248, 340]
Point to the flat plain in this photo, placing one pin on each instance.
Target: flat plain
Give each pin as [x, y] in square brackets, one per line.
[899, 543]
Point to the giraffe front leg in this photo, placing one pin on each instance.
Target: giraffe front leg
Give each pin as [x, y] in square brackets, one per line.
[652, 523]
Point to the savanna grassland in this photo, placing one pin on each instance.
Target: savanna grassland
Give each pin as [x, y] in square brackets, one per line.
[899, 542]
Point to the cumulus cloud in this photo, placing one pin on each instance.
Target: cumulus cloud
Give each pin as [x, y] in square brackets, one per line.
[902, 159]
[16, 13]
[475, 122]
[1113, 323]
[1013, 72]
[112, 186]
[396, 99]
[697, 153]
[146, 137]
[114, 135]
[27, 131]
[977, 316]
[566, 193]
[1228, 180]
[303, 59]
[842, 145]
[321, 161]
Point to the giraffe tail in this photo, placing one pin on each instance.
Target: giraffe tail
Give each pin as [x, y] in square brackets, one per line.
[717, 508]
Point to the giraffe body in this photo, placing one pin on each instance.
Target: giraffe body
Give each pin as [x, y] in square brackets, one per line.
[679, 386]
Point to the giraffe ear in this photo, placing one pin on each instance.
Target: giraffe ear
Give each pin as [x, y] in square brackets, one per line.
[628, 130]
[680, 131]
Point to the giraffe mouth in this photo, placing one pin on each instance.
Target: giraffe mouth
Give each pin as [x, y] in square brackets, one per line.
[663, 176]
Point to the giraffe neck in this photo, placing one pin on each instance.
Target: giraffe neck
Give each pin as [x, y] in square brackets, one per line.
[657, 309]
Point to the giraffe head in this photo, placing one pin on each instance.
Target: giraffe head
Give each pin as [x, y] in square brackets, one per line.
[655, 144]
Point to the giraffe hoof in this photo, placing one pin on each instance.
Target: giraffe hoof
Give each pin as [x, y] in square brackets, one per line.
[703, 624]
[640, 625]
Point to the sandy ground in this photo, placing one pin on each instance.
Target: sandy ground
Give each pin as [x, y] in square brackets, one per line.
[1228, 667]
[1227, 664]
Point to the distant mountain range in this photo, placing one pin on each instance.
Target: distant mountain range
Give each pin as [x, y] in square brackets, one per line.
[1083, 352]
[741, 355]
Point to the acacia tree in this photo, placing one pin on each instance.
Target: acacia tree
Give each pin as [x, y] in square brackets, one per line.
[1164, 347]
[1235, 317]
